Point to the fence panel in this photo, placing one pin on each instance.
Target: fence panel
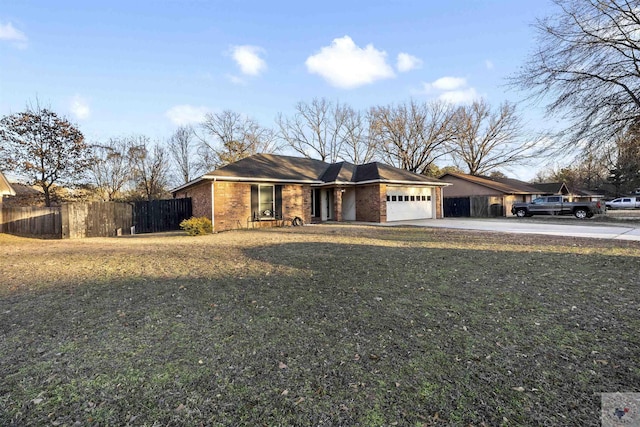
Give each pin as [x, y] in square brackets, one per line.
[480, 207]
[105, 219]
[95, 219]
[457, 207]
[32, 221]
[160, 215]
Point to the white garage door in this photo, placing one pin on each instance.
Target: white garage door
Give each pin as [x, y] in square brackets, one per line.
[404, 203]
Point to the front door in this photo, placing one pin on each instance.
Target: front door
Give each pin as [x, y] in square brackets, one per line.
[328, 204]
[316, 203]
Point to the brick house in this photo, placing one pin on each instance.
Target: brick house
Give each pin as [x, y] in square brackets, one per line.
[497, 192]
[266, 189]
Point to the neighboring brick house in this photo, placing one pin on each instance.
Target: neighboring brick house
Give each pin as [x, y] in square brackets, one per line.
[497, 192]
[267, 189]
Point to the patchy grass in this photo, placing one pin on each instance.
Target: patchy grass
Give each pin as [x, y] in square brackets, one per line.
[322, 325]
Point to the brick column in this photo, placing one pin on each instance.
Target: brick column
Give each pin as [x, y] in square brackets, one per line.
[337, 204]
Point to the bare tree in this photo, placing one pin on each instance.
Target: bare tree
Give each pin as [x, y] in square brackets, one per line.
[43, 147]
[150, 167]
[315, 130]
[623, 161]
[587, 66]
[230, 136]
[110, 170]
[412, 135]
[181, 147]
[356, 145]
[487, 140]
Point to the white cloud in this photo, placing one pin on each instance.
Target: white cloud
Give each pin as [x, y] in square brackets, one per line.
[454, 90]
[449, 83]
[80, 108]
[9, 33]
[345, 65]
[186, 114]
[407, 62]
[462, 96]
[248, 59]
[488, 64]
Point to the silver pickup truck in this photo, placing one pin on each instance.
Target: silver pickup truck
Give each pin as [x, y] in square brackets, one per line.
[557, 205]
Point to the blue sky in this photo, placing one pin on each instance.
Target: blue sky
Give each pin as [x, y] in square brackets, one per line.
[144, 67]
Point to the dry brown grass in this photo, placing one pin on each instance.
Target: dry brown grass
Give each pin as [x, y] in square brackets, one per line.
[332, 325]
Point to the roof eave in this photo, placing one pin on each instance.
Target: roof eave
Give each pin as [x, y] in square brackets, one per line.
[401, 182]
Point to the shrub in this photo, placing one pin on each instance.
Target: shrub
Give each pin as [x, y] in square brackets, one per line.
[197, 226]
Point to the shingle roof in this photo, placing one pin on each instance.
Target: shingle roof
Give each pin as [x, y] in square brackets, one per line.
[389, 173]
[551, 187]
[272, 167]
[23, 189]
[342, 172]
[505, 185]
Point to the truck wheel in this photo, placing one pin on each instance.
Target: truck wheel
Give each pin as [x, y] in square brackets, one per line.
[581, 213]
[521, 213]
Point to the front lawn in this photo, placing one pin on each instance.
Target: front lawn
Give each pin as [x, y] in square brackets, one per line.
[319, 325]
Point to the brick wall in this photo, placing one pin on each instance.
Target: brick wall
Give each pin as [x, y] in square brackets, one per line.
[371, 203]
[200, 198]
[232, 204]
[438, 195]
[296, 202]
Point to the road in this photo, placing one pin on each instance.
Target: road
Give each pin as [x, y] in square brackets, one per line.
[567, 227]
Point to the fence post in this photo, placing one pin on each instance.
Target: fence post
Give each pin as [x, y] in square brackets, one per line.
[64, 220]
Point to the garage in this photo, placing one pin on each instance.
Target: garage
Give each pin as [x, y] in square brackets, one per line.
[406, 203]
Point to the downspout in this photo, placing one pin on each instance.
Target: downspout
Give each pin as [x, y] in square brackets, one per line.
[213, 205]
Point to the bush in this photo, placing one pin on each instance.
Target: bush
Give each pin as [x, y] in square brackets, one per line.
[197, 226]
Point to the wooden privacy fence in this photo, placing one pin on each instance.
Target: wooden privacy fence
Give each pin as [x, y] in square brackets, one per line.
[31, 221]
[160, 215]
[95, 219]
[475, 207]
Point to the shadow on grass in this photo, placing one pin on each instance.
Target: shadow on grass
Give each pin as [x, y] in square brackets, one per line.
[334, 334]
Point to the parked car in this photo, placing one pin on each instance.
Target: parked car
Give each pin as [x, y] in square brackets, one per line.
[557, 205]
[624, 203]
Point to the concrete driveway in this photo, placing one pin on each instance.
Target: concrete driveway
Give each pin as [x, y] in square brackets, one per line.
[565, 227]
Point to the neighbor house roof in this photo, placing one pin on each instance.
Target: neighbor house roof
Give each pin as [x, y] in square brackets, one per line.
[552, 187]
[276, 168]
[504, 185]
[25, 190]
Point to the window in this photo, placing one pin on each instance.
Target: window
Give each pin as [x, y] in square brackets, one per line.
[266, 201]
[413, 198]
[425, 198]
[388, 198]
[428, 198]
[406, 198]
[393, 198]
[266, 207]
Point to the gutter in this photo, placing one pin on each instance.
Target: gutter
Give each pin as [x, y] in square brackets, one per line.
[243, 179]
[213, 205]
